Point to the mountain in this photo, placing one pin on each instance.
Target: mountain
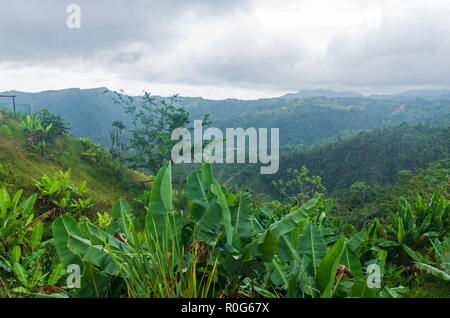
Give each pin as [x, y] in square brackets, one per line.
[374, 157]
[320, 93]
[309, 121]
[302, 122]
[89, 112]
[427, 94]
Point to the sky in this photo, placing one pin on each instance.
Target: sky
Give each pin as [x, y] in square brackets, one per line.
[219, 49]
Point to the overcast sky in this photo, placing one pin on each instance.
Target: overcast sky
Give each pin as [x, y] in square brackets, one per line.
[219, 49]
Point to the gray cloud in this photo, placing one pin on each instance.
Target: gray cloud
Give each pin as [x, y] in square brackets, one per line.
[414, 51]
[36, 29]
[223, 44]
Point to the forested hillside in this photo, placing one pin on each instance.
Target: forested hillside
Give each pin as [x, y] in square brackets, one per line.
[373, 157]
[302, 122]
[59, 210]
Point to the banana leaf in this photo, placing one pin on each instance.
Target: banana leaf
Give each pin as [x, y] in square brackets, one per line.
[326, 272]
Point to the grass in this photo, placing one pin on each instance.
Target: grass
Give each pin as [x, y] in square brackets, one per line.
[107, 180]
[429, 287]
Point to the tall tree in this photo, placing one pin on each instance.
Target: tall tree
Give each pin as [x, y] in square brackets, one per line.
[152, 124]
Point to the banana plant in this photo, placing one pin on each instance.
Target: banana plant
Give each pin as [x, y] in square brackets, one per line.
[226, 222]
[63, 193]
[21, 247]
[213, 248]
[121, 254]
[411, 228]
[37, 133]
[16, 219]
[440, 268]
[220, 217]
[55, 185]
[304, 265]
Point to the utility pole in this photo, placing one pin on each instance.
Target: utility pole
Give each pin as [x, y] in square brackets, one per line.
[13, 100]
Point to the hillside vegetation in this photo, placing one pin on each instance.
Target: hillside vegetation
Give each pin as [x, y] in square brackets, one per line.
[81, 209]
[374, 157]
[106, 179]
[302, 122]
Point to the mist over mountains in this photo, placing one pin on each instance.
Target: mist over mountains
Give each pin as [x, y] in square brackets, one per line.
[320, 92]
[428, 94]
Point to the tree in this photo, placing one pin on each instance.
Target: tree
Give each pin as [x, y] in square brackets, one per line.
[299, 187]
[152, 124]
[360, 190]
[119, 144]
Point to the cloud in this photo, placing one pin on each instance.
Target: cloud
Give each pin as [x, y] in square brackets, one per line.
[37, 30]
[407, 49]
[232, 47]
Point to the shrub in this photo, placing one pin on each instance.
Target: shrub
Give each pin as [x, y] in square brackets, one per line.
[59, 127]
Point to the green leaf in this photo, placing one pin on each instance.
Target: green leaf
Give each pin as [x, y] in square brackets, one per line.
[27, 206]
[226, 214]
[16, 199]
[64, 227]
[312, 244]
[99, 237]
[401, 231]
[355, 241]
[207, 174]
[241, 216]
[20, 273]
[266, 246]
[56, 274]
[99, 256]
[197, 189]
[93, 283]
[121, 210]
[5, 201]
[361, 290]
[289, 243]
[16, 253]
[327, 268]
[350, 260]
[388, 244]
[263, 292]
[393, 292]
[36, 236]
[413, 254]
[434, 271]
[209, 227]
[160, 203]
[289, 222]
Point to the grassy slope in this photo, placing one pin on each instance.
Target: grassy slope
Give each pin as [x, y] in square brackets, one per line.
[106, 180]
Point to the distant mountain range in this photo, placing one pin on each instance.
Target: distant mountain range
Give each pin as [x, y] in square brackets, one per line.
[320, 93]
[304, 119]
[427, 94]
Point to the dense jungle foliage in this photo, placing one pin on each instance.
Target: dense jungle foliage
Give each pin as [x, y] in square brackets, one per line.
[67, 207]
[374, 157]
